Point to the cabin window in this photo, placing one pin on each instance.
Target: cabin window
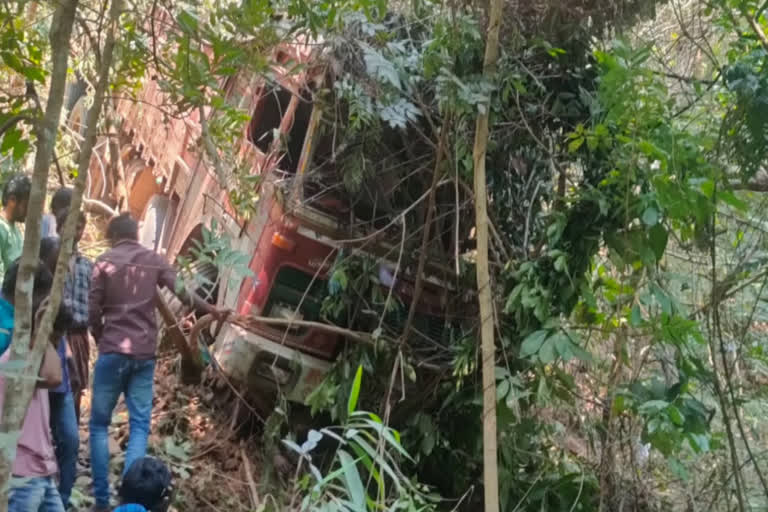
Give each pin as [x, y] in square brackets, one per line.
[267, 117]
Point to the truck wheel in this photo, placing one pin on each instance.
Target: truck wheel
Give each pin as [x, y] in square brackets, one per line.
[74, 105]
[155, 214]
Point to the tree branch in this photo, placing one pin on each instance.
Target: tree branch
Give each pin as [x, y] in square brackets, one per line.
[10, 123]
[758, 30]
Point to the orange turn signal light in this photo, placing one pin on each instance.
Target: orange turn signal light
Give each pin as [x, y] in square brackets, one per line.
[283, 242]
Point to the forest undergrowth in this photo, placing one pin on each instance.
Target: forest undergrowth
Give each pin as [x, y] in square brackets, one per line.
[214, 466]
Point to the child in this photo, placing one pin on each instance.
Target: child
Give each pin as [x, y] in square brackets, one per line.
[146, 487]
[66, 437]
[33, 486]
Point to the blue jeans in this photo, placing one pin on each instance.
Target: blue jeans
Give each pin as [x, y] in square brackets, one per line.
[66, 439]
[38, 494]
[114, 374]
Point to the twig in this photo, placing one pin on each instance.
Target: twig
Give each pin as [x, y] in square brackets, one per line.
[715, 377]
[394, 276]
[758, 30]
[255, 501]
[427, 224]
[731, 392]
[528, 219]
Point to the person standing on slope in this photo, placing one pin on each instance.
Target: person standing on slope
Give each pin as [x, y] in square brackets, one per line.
[122, 320]
[15, 201]
[76, 292]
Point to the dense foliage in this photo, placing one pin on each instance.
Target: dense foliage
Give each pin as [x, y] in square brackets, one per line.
[626, 163]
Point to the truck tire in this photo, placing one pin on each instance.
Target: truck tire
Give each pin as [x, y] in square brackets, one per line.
[155, 215]
[75, 105]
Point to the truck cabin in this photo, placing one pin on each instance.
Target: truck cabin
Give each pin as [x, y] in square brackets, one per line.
[310, 212]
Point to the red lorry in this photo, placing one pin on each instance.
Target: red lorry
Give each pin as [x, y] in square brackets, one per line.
[292, 239]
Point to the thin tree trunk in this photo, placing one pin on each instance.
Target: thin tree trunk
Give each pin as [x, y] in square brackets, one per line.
[490, 461]
[92, 119]
[18, 389]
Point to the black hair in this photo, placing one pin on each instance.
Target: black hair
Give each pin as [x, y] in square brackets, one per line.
[147, 483]
[17, 186]
[61, 199]
[48, 246]
[61, 217]
[123, 227]
[43, 280]
[64, 320]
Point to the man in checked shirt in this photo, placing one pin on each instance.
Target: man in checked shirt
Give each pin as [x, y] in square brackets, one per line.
[76, 289]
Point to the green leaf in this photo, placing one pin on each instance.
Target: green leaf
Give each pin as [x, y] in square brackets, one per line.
[636, 316]
[353, 481]
[730, 199]
[377, 457]
[563, 346]
[618, 405]
[650, 216]
[188, 21]
[580, 353]
[575, 144]
[355, 392]
[675, 415]
[532, 343]
[547, 351]
[658, 238]
[11, 138]
[653, 406]
[502, 389]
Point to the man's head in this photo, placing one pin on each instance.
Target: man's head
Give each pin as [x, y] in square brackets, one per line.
[61, 199]
[147, 483]
[49, 252]
[122, 227]
[42, 286]
[16, 197]
[61, 218]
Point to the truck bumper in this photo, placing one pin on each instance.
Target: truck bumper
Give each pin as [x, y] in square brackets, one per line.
[255, 361]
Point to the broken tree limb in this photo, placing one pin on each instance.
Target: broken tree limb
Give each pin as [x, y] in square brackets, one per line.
[251, 323]
[255, 500]
[96, 206]
[191, 360]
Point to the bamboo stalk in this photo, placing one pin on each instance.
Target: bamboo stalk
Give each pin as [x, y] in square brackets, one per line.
[488, 351]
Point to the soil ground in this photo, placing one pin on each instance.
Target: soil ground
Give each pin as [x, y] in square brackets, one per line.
[209, 464]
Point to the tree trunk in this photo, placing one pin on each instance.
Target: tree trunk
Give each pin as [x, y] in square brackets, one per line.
[86, 150]
[16, 404]
[18, 389]
[490, 461]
